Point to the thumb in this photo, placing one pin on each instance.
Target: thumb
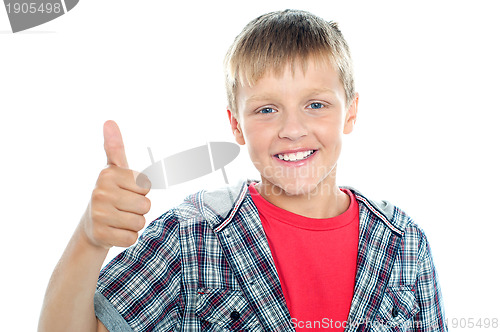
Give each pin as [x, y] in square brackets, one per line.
[113, 145]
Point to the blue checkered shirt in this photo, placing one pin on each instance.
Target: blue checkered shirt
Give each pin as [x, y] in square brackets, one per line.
[206, 266]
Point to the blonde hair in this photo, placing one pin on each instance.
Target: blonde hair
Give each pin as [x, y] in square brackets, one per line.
[281, 38]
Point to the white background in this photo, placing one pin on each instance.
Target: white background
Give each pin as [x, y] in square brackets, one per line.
[426, 138]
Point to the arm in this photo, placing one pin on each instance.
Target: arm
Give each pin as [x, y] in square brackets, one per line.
[428, 293]
[113, 217]
[69, 300]
[101, 327]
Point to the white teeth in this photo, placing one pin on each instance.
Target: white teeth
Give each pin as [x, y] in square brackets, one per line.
[295, 156]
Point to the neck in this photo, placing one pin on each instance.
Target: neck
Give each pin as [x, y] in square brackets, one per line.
[326, 200]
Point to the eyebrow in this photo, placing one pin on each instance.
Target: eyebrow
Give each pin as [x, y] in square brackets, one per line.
[260, 97]
[323, 90]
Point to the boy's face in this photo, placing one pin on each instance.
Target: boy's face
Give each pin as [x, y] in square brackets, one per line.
[293, 128]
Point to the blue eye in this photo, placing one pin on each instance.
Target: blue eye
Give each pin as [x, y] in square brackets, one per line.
[316, 106]
[266, 110]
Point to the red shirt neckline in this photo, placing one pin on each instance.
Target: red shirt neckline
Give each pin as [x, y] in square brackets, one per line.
[299, 221]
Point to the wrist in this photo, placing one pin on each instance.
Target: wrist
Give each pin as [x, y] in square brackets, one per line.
[84, 243]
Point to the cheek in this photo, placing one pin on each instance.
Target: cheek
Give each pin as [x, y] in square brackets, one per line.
[257, 146]
[330, 137]
[257, 137]
[330, 132]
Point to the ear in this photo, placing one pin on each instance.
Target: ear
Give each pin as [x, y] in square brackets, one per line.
[235, 127]
[352, 113]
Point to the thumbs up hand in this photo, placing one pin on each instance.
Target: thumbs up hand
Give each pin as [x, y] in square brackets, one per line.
[113, 145]
[115, 213]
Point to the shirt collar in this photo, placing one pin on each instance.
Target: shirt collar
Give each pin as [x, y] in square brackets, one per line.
[220, 206]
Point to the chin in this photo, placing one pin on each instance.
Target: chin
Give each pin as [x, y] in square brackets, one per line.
[295, 188]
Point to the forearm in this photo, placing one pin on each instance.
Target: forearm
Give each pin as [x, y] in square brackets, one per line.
[69, 299]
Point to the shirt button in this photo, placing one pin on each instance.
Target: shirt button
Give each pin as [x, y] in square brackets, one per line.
[395, 312]
[235, 315]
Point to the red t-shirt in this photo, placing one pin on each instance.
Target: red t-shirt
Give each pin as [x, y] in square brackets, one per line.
[316, 262]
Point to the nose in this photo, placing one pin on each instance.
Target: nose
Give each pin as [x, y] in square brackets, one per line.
[293, 126]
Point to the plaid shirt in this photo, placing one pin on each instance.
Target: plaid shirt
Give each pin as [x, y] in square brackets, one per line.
[206, 266]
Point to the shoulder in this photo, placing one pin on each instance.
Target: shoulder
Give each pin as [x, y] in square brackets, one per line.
[382, 223]
[392, 216]
[211, 206]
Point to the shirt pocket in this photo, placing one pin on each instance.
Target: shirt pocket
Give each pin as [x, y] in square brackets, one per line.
[397, 310]
[225, 310]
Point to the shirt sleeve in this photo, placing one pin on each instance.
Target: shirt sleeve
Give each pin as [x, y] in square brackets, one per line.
[428, 293]
[139, 290]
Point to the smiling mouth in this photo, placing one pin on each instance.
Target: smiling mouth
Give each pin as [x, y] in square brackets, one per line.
[297, 156]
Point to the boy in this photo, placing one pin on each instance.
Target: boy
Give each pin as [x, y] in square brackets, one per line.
[291, 251]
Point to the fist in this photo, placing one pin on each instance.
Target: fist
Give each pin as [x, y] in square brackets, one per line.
[115, 213]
